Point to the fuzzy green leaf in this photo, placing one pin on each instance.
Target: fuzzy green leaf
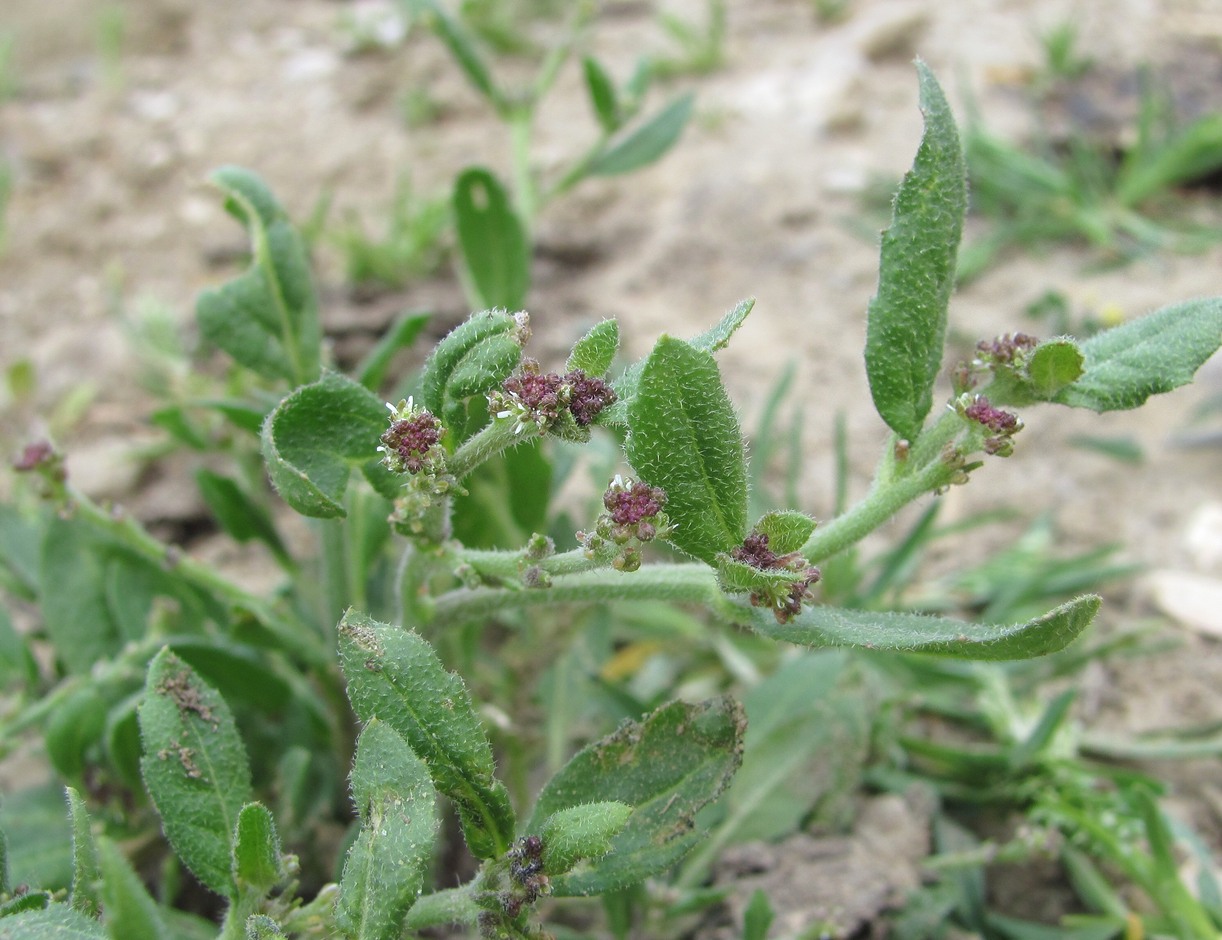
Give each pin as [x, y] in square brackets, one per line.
[262, 927]
[194, 768]
[603, 97]
[906, 328]
[130, 912]
[646, 143]
[737, 577]
[73, 728]
[314, 438]
[385, 868]
[1148, 356]
[53, 922]
[38, 838]
[594, 352]
[684, 437]
[256, 848]
[1054, 365]
[579, 832]
[917, 633]
[666, 767]
[73, 591]
[267, 318]
[787, 529]
[86, 875]
[394, 675]
[473, 358]
[492, 239]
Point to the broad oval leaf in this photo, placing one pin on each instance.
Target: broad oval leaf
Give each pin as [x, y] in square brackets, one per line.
[1054, 365]
[394, 675]
[492, 239]
[684, 437]
[385, 868]
[267, 318]
[818, 626]
[1148, 356]
[787, 529]
[57, 921]
[316, 436]
[194, 767]
[666, 767]
[646, 143]
[906, 329]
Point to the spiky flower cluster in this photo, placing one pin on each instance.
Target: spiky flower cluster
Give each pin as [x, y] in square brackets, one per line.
[539, 400]
[784, 600]
[412, 442]
[1003, 424]
[633, 516]
[1009, 351]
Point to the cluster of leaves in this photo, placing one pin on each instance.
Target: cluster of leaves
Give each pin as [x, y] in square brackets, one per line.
[179, 701]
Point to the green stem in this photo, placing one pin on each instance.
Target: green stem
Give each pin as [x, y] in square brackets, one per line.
[508, 565]
[523, 179]
[501, 434]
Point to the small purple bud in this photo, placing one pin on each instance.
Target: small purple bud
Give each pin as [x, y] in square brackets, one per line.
[409, 441]
[982, 412]
[589, 396]
[631, 504]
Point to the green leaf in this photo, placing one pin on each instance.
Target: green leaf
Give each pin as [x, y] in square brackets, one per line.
[54, 922]
[73, 592]
[262, 927]
[917, 633]
[17, 665]
[787, 529]
[1054, 365]
[402, 334]
[1148, 356]
[684, 437]
[594, 352]
[737, 577]
[462, 47]
[580, 832]
[38, 837]
[256, 848]
[194, 767]
[758, 916]
[74, 727]
[473, 358]
[385, 868]
[492, 240]
[130, 912]
[646, 143]
[314, 438]
[86, 874]
[239, 515]
[267, 318]
[603, 97]
[666, 767]
[906, 328]
[394, 675]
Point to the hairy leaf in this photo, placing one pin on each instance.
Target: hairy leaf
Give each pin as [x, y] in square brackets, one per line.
[86, 875]
[917, 633]
[473, 358]
[54, 922]
[666, 767]
[906, 328]
[1148, 356]
[492, 239]
[1053, 366]
[194, 767]
[394, 675]
[316, 436]
[579, 832]
[594, 352]
[256, 848]
[130, 912]
[684, 437]
[385, 868]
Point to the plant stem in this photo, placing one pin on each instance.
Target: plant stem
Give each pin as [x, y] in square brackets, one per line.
[523, 181]
[499, 435]
[508, 564]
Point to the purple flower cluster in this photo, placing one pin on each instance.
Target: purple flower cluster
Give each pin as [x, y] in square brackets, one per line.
[544, 396]
[412, 440]
[982, 412]
[630, 505]
[589, 396]
[1005, 349]
[784, 601]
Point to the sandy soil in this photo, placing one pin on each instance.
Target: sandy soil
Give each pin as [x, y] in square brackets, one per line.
[763, 197]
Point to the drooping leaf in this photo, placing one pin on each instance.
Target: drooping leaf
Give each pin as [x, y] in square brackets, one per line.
[314, 439]
[819, 626]
[492, 240]
[267, 318]
[86, 874]
[594, 352]
[473, 358]
[394, 675]
[906, 329]
[385, 868]
[194, 767]
[646, 143]
[53, 922]
[666, 767]
[256, 848]
[1148, 356]
[684, 437]
[130, 912]
[603, 97]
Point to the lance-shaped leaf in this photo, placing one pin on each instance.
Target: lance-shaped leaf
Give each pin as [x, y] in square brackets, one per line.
[918, 633]
[316, 436]
[594, 352]
[267, 318]
[603, 97]
[684, 437]
[194, 767]
[906, 329]
[646, 143]
[394, 675]
[473, 358]
[385, 868]
[710, 341]
[130, 912]
[86, 875]
[1148, 356]
[256, 849]
[492, 239]
[57, 921]
[666, 767]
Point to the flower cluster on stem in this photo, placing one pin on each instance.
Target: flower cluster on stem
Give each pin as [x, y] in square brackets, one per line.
[633, 516]
[783, 599]
[546, 401]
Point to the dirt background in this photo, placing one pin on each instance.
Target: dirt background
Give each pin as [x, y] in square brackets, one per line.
[764, 196]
